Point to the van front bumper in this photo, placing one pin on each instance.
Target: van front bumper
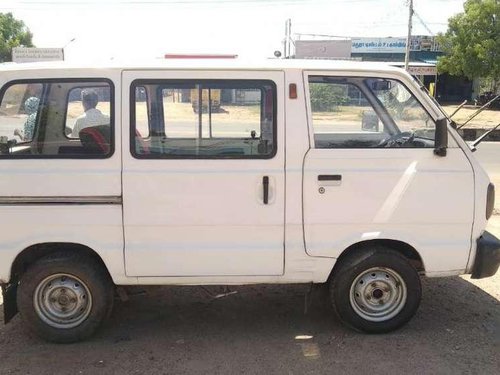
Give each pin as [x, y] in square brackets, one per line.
[487, 256]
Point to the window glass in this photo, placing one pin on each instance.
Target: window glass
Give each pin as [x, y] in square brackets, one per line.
[18, 112]
[405, 110]
[367, 113]
[141, 112]
[216, 119]
[64, 119]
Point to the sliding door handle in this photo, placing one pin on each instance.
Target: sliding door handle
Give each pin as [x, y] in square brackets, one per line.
[265, 186]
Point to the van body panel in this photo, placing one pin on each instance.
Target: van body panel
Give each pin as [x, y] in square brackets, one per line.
[203, 217]
[400, 195]
[99, 227]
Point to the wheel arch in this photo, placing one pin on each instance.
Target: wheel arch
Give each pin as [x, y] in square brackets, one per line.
[31, 254]
[405, 249]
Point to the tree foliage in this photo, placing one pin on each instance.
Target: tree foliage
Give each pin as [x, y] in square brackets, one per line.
[13, 33]
[326, 97]
[472, 42]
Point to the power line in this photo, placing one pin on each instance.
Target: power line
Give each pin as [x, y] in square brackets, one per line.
[423, 23]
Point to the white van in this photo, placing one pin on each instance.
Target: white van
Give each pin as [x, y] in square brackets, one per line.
[343, 173]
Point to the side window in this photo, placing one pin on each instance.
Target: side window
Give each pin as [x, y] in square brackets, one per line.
[66, 119]
[367, 113]
[206, 119]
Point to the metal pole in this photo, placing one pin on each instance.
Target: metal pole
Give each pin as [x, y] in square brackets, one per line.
[289, 36]
[210, 112]
[286, 39]
[408, 38]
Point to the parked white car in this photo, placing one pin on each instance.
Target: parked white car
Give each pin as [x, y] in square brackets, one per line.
[343, 173]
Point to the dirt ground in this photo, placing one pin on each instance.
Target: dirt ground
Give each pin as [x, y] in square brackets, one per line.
[264, 330]
[485, 119]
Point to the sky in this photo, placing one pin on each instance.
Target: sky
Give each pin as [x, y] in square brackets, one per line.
[129, 29]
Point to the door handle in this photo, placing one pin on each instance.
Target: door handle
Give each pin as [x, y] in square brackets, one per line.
[329, 180]
[330, 177]
[265, 186]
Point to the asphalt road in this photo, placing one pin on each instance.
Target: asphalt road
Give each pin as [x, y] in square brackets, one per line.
[488, 154]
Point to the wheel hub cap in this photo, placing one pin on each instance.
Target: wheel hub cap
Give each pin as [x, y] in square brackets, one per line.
[378, 294]
[62, 301]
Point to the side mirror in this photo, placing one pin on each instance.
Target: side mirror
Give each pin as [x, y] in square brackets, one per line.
[441, 137]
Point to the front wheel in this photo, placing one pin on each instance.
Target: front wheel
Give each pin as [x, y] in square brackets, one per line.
[65, 297]
[375, 290]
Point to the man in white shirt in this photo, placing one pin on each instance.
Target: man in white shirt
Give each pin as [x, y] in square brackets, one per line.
[92, 116]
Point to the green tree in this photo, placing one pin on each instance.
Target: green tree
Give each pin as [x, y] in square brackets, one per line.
[13, 33]
[472, 42]
[326, 97]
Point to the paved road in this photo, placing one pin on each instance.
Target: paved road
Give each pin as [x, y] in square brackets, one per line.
[488, 154]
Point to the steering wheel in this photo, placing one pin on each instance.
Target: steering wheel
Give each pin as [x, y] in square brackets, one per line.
[397, 140]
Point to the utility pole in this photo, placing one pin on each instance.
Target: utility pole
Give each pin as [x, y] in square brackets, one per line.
[288, 37]
[408, 38]
[289, 40]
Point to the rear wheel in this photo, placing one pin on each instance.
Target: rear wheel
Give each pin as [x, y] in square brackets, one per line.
[65, 297]
[375, 290]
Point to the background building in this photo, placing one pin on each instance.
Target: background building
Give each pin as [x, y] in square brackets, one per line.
[424, 53]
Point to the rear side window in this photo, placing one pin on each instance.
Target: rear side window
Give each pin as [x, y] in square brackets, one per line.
[57, 119]
[203, 119]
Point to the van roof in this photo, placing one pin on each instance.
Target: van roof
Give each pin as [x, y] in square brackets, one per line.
[213, 64]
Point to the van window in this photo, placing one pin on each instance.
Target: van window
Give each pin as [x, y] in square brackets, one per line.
[367, 113]
[205, 119]
[56, 119]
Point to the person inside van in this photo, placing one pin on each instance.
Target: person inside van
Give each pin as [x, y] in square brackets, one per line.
[92, 116]
[31, 108]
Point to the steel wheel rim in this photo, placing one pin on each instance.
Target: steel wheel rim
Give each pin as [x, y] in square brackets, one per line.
[378, 294]
[62, 301]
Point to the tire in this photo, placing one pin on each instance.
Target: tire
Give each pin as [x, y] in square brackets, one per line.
[64, 298]
[375, 290]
